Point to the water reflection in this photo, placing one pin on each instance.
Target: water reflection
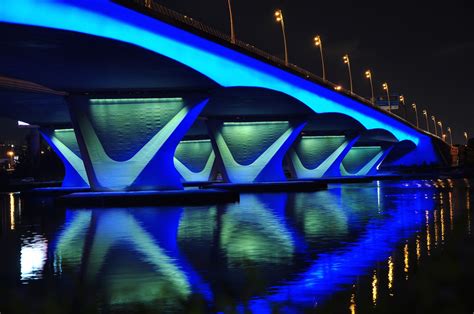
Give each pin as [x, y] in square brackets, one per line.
[270, 251]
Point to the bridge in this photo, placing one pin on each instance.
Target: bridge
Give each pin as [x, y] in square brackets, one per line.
[134, 96]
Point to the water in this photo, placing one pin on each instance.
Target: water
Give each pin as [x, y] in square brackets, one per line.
[354, 248]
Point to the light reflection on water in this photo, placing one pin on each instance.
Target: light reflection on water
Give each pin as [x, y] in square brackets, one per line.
[270, 251]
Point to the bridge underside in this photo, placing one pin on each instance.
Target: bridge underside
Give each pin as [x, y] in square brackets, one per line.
[125, 118]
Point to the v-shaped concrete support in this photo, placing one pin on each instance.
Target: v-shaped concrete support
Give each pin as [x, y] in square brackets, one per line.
[64, 144]
[370, 168]
[328, 168]
[151, 167]
[267, 167]
[189, 148]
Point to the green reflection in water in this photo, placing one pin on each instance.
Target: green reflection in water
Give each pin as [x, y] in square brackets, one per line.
[320, 215]
[252, 232]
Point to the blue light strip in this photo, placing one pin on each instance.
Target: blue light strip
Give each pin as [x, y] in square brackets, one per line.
[106, 19]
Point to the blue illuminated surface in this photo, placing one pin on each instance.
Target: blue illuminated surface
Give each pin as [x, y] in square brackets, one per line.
[106, 19]
[285, 251]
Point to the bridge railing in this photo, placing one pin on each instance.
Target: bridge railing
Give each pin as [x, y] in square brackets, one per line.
[150, 6]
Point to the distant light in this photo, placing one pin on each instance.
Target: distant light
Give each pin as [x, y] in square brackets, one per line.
[33, 257]
[10, 153]
[21, 123]
[42, 152]
[338, 87]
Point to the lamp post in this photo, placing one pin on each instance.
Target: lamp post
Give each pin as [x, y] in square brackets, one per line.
[434, 123]
[450, 136]
[319, 43]
[466, 136]
[416, 114]
[279, 19]
[368, 75]
[440, 123]
[402, 101]
[385, 88]
[347, 61]
[425, 113]
[231, 19]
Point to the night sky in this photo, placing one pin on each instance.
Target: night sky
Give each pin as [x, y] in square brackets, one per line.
[424, 50]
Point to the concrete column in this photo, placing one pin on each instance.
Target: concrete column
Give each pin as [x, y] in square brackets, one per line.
[194, 160]
[319, 156]
[364, 160]
[64, 144]
[253, 151]
[129, 144]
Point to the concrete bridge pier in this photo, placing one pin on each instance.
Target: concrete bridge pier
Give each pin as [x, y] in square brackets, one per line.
[253, 151]
[317, 156]
[129, 143]
[364, 160]
[64, 144]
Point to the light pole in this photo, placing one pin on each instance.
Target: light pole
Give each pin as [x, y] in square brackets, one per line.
[434, 123]
[385, 88]
[319, 43]
[231, 18]
[450, 136]
[347, 61]
[465, 136]
[440, 123]
[416, 114]
[425, 113]
[279, 19]
[402, 101]
[368, 75]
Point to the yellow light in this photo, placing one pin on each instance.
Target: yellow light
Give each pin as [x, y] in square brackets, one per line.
[385, 86]
[406, 260]
[390, 273]
[317, 40]
[374, 287]
[368, 74]
[345, 58]
[402, 99]
[338, 87]
[425, 112]
[439, 123]
[277, 13]
[10, 153]
[413, 105]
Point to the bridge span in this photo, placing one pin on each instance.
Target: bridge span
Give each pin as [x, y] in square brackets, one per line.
[132, 96]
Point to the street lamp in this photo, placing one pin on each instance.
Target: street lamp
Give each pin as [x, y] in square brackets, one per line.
[402, 101]
[416, 114]
[231, 18]
[450, 136]
[347, 61]
[425, 113]
[441, 127]
[279, 19]
[319, 43]
[368, 75]
[434, 123]
[385, 88]
[465, 136]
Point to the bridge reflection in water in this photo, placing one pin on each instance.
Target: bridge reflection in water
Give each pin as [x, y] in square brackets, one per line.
[271, 251]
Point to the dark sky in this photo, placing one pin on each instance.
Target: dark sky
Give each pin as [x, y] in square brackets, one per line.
[424, 50]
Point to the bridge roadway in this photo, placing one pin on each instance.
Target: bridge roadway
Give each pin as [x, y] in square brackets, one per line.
[137, 98]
